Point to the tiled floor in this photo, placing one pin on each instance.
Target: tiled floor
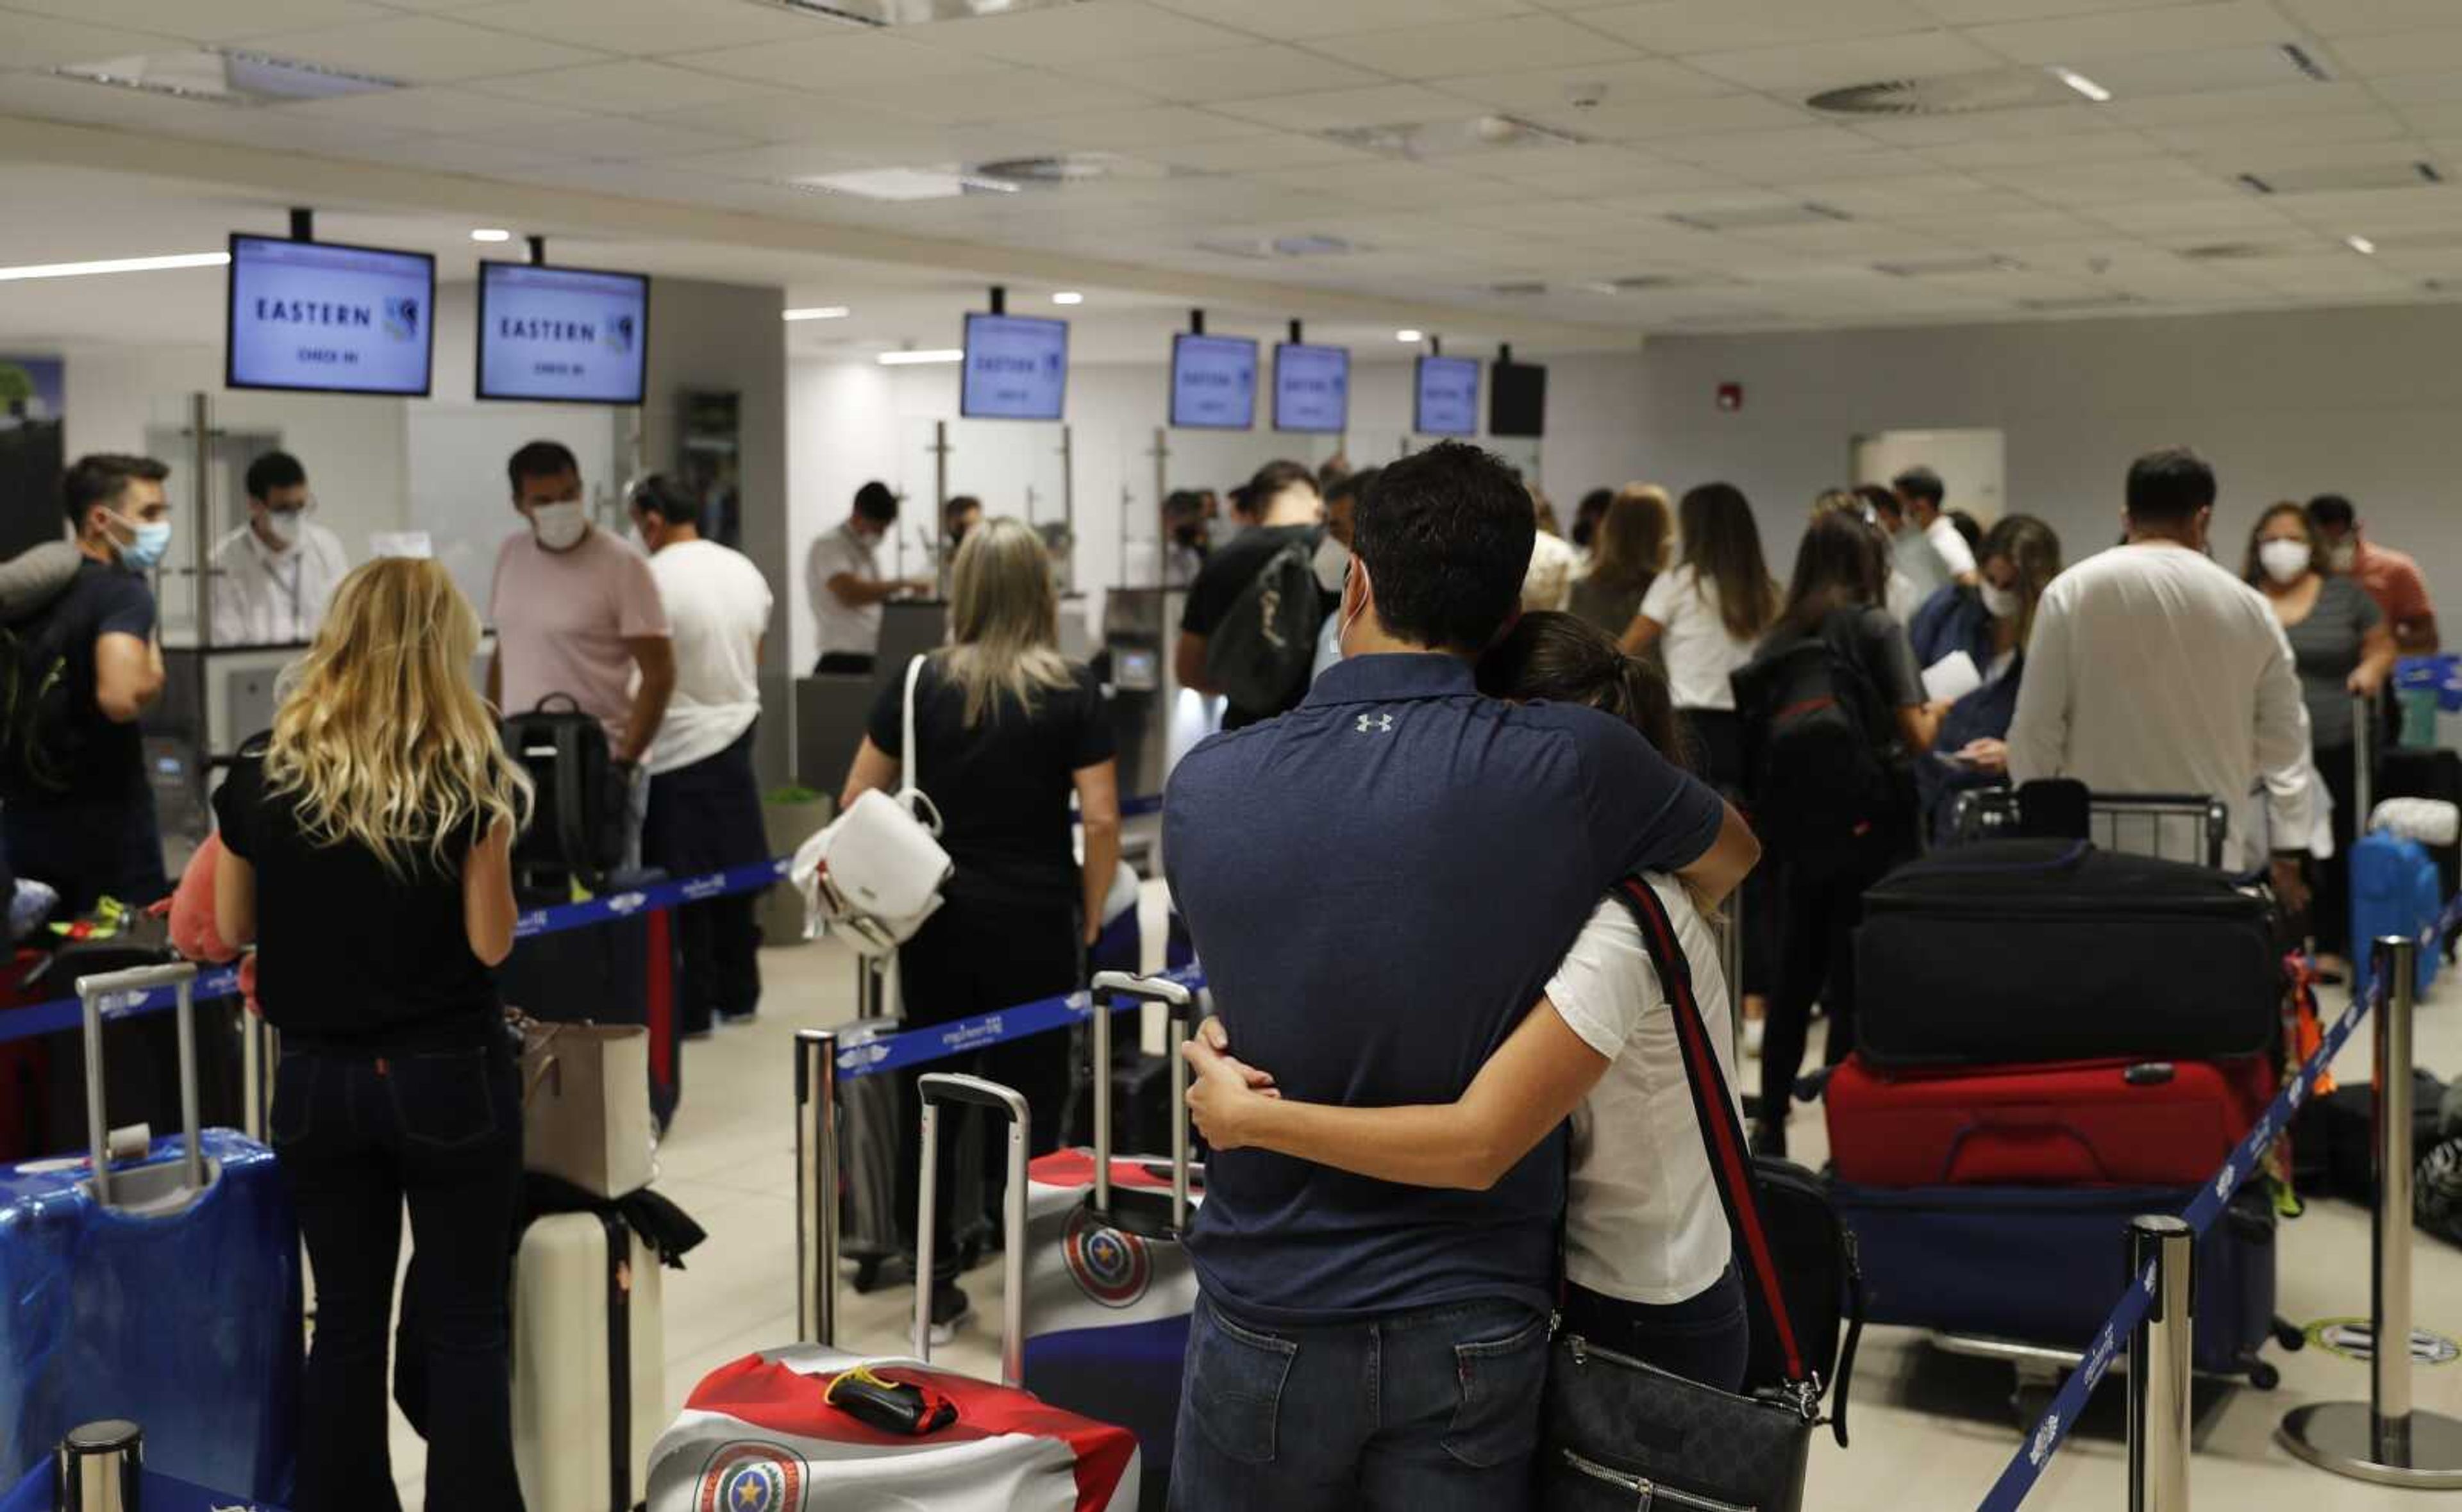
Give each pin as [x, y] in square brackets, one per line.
[1931, 1430]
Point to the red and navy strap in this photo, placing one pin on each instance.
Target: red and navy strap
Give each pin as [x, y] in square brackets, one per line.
[1731, 1163]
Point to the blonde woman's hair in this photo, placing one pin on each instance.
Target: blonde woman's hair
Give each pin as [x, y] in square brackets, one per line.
[380, 736]
[1004, 620]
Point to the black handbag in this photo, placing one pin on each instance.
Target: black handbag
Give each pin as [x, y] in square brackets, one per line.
[1620, 1433]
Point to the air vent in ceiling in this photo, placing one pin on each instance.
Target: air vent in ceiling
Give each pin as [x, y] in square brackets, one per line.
[1946, 94]
[1659, 283]
[2305, 61]
[1949, 266]
[2345, 177]
[1065, 168]
[1446, 139]
[905, 12]
[1760, 217]
[226, 77]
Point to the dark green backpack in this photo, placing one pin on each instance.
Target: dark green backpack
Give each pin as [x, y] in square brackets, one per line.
[39, 747]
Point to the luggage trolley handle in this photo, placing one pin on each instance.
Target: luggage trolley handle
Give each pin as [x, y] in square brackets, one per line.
[935, 1088]
[1181, 1005]
[93, 992]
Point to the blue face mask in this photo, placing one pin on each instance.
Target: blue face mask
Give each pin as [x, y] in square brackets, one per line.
[153, 543]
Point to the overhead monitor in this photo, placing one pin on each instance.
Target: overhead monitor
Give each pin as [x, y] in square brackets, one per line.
[319, 316]
[1516, 399]
[1311, 388]
[1447, 402]
[1212, 382]
[564, 336]
[1016, 368]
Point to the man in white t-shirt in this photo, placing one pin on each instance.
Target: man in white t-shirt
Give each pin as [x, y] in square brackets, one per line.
[843, 577]
[1929, 549]
[274, 576]
[705, 813]
[2152, 670]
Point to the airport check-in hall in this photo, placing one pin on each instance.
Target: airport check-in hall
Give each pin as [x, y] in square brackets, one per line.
[1203, 754]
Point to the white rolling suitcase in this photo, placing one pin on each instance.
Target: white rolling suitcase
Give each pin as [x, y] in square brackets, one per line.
[589, 1380]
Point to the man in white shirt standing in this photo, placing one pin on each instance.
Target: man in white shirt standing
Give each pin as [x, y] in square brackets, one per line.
[843, 575]
[274, 576]
[1929, 549]
[2152, 670]
[705, 810]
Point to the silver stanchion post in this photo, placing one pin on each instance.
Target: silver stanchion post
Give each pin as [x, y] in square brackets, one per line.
[2383, 1439]
[98, 1468]
[2159, 1368]
[2363, 762]
[258, 1055]
[816, 1186]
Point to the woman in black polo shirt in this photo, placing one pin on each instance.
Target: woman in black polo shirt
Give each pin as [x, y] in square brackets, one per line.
[1009, 730]
[367, 849]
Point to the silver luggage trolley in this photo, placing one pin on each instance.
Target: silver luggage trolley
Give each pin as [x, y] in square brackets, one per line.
[2171, 827]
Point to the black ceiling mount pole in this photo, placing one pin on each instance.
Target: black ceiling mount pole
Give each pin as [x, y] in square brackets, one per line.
[1196, 322]
[303, 224]
[1435, 345]
[538, 252]
[1000, 300]
[1297, 339]
[1505, 354]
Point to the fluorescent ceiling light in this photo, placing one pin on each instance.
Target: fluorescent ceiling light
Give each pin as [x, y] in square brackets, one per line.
[1409, 335]
[115, 265]
[2081, 84]
[226, 77]
[899, 359]
[1068, 296]
[491, 233]
[904, 183]
[819, 312]
[2361, 244]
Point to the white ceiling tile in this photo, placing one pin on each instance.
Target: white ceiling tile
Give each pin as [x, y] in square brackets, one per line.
[459, 154]
[1241, 72]
[644, 27]
[2194, 219]
[220, 21]
[1708, 26]
[1676, 117]
[1147, 129]
[629, 87]
[430, 110]
[1467, 46]
[1386, 105]
[1394, 185]
[1978, 12]
[2135, 33]
[2443, 120]
[1589, 86]
[2280, 100]
[1281, 149]
[1093, 29]
[423, 50]
[1014, 95]
[265, 128]
[2436, 51]
[2338, 18]
[32, 41]
[2412, 89]
[838, 58]
[2080, 120]
[46, 96]
[1799, 69]
[607, 139]
[1291, 20]
[2230, 137]
[2018, 152]
[782, 114]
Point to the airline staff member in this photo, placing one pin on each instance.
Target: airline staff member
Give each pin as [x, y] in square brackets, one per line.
[274, 576]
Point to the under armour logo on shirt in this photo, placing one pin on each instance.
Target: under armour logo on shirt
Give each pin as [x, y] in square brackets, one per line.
[1377, 722]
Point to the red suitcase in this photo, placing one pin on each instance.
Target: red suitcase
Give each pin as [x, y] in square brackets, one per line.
[2080, 1123]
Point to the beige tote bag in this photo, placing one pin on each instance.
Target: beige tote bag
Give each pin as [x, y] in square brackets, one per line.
[586, 1106]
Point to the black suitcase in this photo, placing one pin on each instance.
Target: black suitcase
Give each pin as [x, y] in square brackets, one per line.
[876, 1183]
[628, 970]
[141, 1055]
[2013, 952]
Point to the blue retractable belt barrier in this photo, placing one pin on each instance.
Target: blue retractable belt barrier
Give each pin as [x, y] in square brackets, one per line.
[939, 1041]
[2026, 1467]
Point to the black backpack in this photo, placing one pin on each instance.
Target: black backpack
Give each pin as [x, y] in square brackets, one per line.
[39, 750]
[576, 828]
[1261, 652]
[1813, 767]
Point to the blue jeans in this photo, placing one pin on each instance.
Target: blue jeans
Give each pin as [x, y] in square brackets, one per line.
[1434, 1411]
[1707, 1337]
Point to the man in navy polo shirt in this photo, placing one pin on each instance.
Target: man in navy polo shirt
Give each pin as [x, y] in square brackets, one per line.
[1379, 883]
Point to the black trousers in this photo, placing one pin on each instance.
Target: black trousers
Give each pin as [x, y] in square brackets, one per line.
[706, 817]
[973, 957]
[89, 849]
[1715, 750]
[852, 663]
[2329, 882]
[356, 1134]
[1821, 904]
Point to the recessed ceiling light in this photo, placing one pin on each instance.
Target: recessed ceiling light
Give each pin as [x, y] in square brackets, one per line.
[2361, 244]
[224, 77]
[491, 233]
[904, 183]
[115, 265]
[819, 312]
[911, 359]
[1068, 296]
[2081, 84]
[1409, 335]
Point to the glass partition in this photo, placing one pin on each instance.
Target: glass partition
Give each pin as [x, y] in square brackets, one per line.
[1021, 470]
[1155, 464]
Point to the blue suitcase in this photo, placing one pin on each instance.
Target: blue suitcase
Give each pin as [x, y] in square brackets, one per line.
[2395, 890]
[2045, 1266]
[157, 1289]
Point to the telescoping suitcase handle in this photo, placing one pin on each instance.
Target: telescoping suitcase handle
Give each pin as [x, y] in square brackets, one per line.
[93, 992]
[936, 1088]
[1181, 1005]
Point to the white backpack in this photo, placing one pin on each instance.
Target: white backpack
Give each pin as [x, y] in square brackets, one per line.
[875, 872]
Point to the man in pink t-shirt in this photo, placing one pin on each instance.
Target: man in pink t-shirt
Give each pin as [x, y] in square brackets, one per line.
[576, 611]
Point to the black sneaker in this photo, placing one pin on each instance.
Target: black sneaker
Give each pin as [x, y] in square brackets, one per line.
[1769, 1139]
[950, 1308]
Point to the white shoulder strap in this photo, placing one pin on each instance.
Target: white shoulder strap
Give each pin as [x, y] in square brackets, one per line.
[907, 782]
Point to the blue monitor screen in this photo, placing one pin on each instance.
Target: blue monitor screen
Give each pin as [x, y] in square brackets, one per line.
[1448, 396]
[562, 334]
[314, 315]
[1212, 382]
[1312, 388]
[1016, 368]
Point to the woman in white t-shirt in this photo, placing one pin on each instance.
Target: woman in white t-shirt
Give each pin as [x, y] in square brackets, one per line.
[1706, 616]
[1646, 1252]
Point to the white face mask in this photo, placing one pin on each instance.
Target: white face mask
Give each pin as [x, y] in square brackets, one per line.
[560, 526]
[283, 527]
[2000, 603]
[1332, 564]
[2284, 561]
